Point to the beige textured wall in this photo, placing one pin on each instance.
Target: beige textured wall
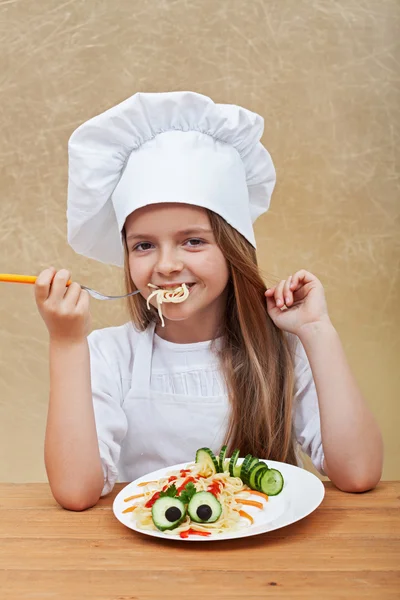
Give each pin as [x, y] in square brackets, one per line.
[324, 74]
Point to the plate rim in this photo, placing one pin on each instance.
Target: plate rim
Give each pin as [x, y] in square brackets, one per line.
[246, 532]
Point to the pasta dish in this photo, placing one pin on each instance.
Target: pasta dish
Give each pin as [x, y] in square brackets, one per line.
[206, 497]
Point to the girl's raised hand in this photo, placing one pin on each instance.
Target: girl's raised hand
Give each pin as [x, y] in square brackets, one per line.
[297, 302]
[64, 309]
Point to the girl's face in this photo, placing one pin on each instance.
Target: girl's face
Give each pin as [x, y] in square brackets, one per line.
[171, 244]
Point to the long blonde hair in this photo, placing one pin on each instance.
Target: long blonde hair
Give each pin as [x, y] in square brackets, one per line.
[255, 356]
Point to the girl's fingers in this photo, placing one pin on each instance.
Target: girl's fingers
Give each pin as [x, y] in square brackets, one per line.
[73, 294]
[302, 292]
[271, 300]
[290, 292]
[83, 303]
[285, 288]
[271, 305]
[279, 294]
[43, 283]
[282, 292]
[300, 278]
[287, 294]
[59, 285]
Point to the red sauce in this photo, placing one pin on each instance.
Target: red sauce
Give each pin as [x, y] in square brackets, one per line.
[184, 484]
[215, 488]
[152, 500]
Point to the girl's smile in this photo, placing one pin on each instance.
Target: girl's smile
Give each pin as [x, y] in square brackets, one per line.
[170, 244]
[168, 286]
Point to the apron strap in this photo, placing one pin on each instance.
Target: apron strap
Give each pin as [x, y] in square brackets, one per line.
[141, 371]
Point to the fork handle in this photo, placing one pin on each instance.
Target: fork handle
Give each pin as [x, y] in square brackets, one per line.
[11, 278]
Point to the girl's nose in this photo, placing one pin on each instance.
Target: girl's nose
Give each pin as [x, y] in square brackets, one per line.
[168, 263]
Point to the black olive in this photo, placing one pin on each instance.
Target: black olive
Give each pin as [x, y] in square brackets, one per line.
[204, 512]
[172, 514]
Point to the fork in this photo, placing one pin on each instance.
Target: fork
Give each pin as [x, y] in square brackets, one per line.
[7, 277]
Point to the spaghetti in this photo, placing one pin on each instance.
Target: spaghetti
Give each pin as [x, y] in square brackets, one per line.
[177, 295]
[225, 488]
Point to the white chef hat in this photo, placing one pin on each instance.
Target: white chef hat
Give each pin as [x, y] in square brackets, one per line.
[164, 147]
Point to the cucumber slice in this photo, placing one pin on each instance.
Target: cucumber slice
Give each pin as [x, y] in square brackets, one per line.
[253, 474]
[222, 456]
[236, 471]
[206, 457]
[168, 513]
[246, 461]
[249, 466]
[258, 476]
[271, 482]
[204, 508]
[233, 469]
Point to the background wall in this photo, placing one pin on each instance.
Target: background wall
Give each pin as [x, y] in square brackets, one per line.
[324, 74]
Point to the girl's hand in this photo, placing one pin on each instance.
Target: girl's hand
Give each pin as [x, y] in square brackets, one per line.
[65, 310]
[297, 302]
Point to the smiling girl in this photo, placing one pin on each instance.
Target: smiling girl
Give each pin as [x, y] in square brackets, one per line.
[168, 187]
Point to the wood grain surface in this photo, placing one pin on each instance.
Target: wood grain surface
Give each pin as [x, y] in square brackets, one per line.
[348, 548]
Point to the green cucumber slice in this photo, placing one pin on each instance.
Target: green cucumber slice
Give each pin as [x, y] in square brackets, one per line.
[233, 469]
[258, 476]
[246, 461]
[271, 482]
[249, 466]
[236, 471]
[222, 456]
[168, 513]
[253, 474]
[204, 508]
[206, 457]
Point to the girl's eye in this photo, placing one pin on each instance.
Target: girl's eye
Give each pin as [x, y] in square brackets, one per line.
[194, 243]
[142, 246]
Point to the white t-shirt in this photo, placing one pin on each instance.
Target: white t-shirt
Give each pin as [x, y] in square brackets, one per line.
[182, 369]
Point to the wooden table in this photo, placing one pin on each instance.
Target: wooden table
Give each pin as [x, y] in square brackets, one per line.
[348, 548]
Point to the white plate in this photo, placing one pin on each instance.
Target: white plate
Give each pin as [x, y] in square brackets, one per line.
[302, 493]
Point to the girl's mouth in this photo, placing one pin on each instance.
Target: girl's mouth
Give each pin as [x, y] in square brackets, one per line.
[173, 286]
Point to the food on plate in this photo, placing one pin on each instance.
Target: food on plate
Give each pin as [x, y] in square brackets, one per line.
[208, 497]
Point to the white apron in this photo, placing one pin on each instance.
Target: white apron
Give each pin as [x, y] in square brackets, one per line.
[166, 429]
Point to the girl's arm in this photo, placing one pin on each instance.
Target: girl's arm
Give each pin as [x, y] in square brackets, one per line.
[72, 455]
[351, 438]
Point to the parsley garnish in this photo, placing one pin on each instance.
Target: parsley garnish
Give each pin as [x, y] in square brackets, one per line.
[171, 492]
[187, 493]
[185, 496]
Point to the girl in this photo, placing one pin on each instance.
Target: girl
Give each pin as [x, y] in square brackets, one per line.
[168, 186]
